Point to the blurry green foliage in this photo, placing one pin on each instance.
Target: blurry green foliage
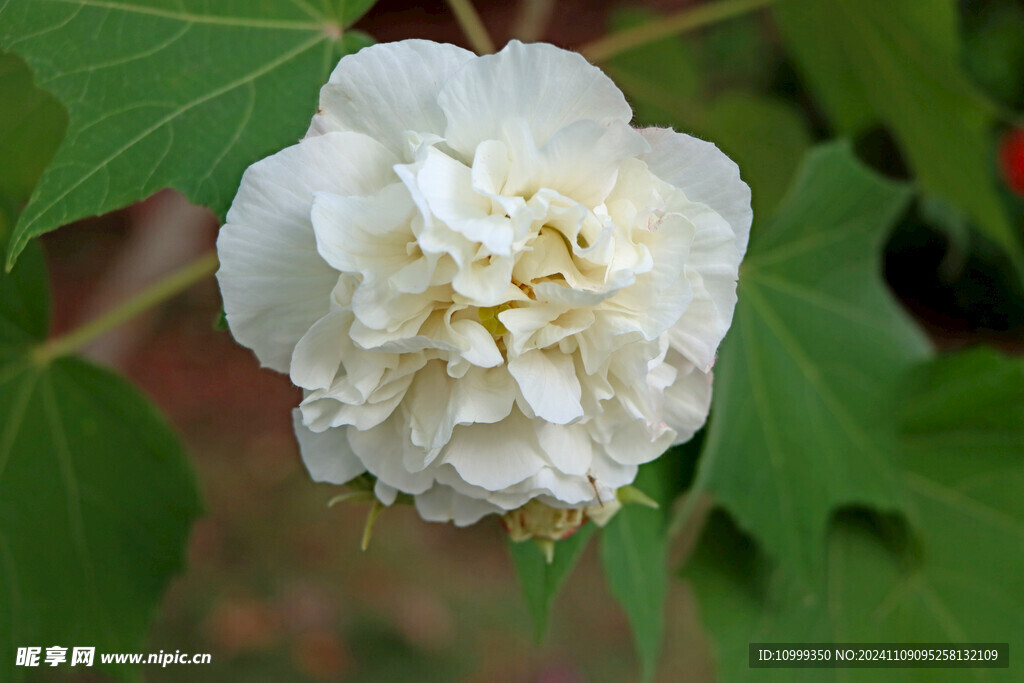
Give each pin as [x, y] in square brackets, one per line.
[994, 49]
[898, 63]
[949, 573]
[735, 54]
[661, 79]
[169, 93]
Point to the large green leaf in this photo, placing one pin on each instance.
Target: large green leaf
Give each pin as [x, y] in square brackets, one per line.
[169, 93]
[898, 63]
[802, 418]
[956, 579]
[541, 580]
[96, 497]
[634, 546]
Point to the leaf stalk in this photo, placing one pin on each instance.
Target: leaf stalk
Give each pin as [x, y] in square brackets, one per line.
[603, 49]
[472, 26]
[160, 291]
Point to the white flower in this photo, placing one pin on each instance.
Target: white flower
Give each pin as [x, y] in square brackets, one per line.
[491, 288]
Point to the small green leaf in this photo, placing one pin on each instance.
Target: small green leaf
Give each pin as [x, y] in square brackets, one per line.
[169, 93]
[221, 322]
[631, 495]
[541, 581]
[898, 63]
[803, 410]
[96, 496]
[953, 576]
[633, 552]
[32, 124]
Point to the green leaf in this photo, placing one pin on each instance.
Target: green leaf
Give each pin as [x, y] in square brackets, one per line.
[169, 93]
[633, 552]
[660, 78]
[96, 497]
[32, 123]
[963, 436]
[541, 581]
[898, 63]
[350, 11]
[803, 410]
[766, 137]
[956, 578]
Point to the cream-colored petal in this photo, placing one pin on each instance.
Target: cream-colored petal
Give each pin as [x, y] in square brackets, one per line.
[541, 84]
[387, 89]
[274, 283]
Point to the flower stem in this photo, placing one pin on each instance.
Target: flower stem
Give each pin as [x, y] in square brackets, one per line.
[171, 285]
[532, 23]
[695, 17]
[471, 25]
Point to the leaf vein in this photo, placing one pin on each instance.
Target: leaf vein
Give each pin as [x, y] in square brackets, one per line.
[24, 234]
[17, 416]
[91, 68]
[192, 18]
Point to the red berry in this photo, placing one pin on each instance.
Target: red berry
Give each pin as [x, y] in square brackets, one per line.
[1011, 158]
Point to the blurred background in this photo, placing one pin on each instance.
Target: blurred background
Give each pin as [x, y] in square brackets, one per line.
[276, 588]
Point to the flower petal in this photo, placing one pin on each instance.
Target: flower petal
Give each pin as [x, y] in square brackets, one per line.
[382, 450]
[580, 161]
[387, 89]
[443, 504]
[365, 235]
[704, 174]
[568, 447]
[274, 283]
[327, 455]
[687, 400]
[318, 354]
[541, 84]
[446, 185]
[495, 456]
[548, 382]
[437, 403]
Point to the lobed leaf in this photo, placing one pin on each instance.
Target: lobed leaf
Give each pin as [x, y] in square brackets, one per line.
[953, 576]
[803, 411]
[170, 93]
